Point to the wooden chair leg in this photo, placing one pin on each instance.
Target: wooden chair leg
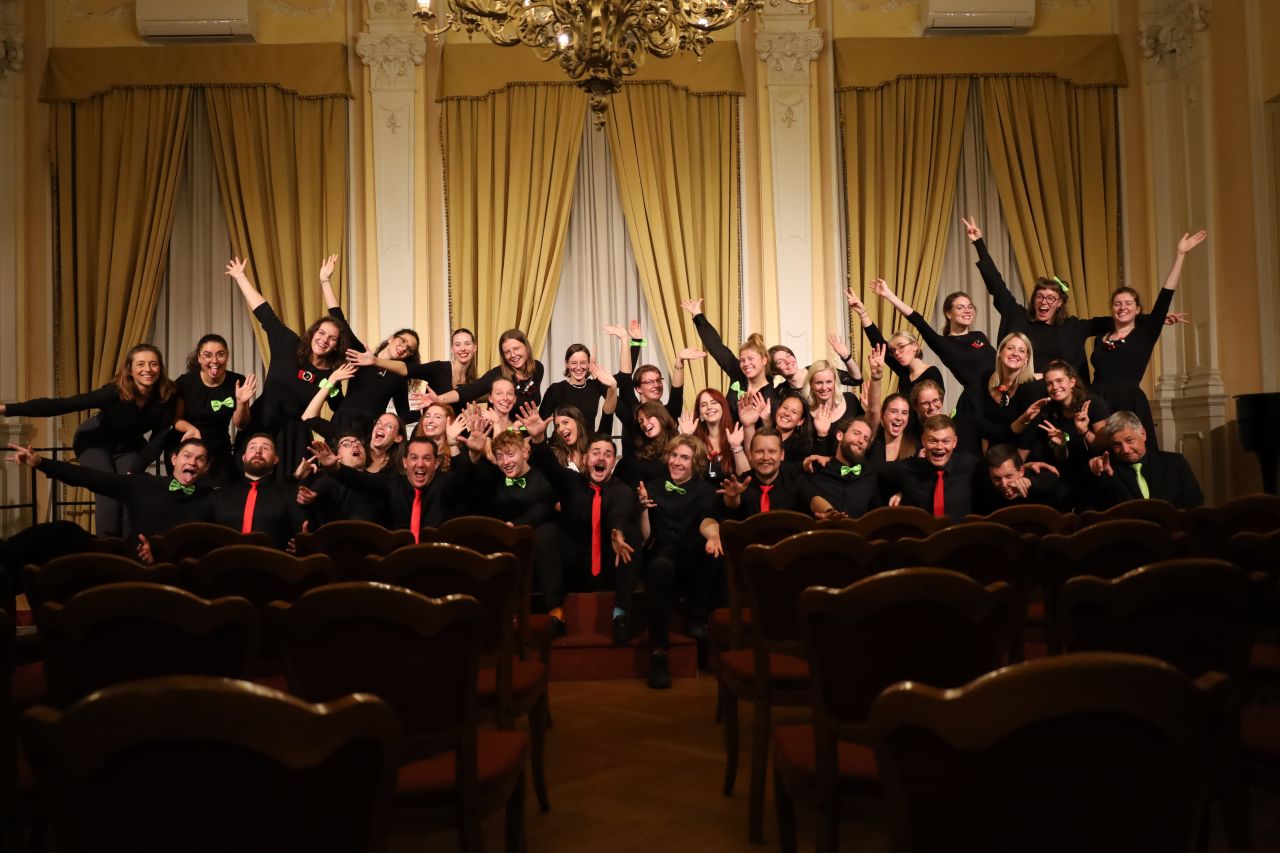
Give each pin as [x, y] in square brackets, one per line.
[786, 808]
[729, 703]
[827, 829]
[537, 741]
[469, 834]
[759, 770]
[514, 819]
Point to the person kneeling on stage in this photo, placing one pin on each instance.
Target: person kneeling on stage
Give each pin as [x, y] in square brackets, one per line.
[155, 504]
[673, 507]
[1013, 483]
[1129, 471]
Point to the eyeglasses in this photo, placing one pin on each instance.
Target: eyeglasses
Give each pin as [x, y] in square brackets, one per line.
[1048, 297]
[348, 443]
[644, 382]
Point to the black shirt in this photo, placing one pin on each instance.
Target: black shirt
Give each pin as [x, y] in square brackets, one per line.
[1045, 489]
[275, 509]
[674, 521]
[916, 479]
[530, 499]
[728, 362]
[154, 507]
[396, 494]
[289, 385]
[336, 502]
[903, 371]
[853, 492]
[369, 391]
[1168, 478]
[791, 490]
[619, 508]
[585, 398]
[966, 356]
[119, 427]
[207, 408]
[1122, 361]
[527, 390]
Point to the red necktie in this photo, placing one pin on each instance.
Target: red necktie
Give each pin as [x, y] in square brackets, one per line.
[938, 508]
[415, 514]
[596, 502]
[246, 525]
[764, 497]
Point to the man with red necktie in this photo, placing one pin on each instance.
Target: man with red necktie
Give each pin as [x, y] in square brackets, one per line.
[258, 502]
[941, 481]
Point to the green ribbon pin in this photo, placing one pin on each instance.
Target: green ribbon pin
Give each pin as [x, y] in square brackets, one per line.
[846, 470]
[332, 386]
[672, 487]
[516, 481]
[229, 403]
[639, 342]
[1062, 284]
[175, 486]
[736, 388]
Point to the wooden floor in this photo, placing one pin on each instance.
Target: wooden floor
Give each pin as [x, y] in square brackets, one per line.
[633, 770]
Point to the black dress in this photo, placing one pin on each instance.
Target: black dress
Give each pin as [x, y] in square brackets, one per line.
[967, 356]
[368, 392]
[1119, 364]
[903, 372]
[585, 398]
[210, 410]
[1048, 340]
[286, 392]
[729, 364]
[527, 390]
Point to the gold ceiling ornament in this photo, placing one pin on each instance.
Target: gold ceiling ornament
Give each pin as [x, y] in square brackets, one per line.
[597, 42]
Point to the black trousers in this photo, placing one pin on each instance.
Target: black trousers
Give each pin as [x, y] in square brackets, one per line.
[668, 571]
[621, 579]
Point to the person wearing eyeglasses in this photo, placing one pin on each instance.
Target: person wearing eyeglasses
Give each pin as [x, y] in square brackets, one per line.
[905, 355]
[212, 400]
[645, 384]
[325, 499]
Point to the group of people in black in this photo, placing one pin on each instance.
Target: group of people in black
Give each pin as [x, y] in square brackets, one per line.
[408, 443]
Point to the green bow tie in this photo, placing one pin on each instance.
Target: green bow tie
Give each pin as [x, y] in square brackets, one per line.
[846, 470]
[175, 486]
[516, 481]
[229, 403]
[672, 487]
[736, 387]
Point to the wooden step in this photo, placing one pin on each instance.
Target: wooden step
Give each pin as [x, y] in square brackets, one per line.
[587, 651]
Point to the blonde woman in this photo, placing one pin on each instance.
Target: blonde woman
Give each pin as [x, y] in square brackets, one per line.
[905, 354]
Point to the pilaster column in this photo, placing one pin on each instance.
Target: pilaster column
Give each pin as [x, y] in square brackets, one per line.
[1190, 406]
[787, 43]
[391, 45]
[15, 482]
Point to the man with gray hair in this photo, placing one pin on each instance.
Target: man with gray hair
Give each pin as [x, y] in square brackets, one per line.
[1129, 471]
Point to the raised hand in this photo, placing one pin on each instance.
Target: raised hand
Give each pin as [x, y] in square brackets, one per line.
[732, 488]
[971, 230]
[622, 552]
[879, 287]
[421, 399]
[854, 302]
[361, 358]
[633, 329]
[1056, 436]
[614, 331]
[1101, 465]
[602, 376]
[23, 456]
[693, 306]
[532, 420]
[1033, 411]
[1041, 468]
[687, 423]
[839, 347]
[642, 494]
[343, 372]
[814, 462]
[736, 436]
[323, 454]
[246, 389]
[690, 354]
[327, 267]
[750, 408]
[481, 427]
[235, 268]
[875, 361]
[454, 428]
[822, 418]
[1190, 241]
[1174, 317]
[1082, 418]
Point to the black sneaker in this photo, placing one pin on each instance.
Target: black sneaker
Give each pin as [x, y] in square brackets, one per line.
[659, 671]
[621, 629]
[558, 628]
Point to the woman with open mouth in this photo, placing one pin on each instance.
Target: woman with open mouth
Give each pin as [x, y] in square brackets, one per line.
[140, 399]
[300, 365]
[905, 355]
[584, 386]
[212, 400]
[516, 365]
[749, 371]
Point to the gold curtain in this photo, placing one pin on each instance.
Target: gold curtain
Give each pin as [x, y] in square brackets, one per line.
[901, 149]
[116, 160]
[510, 162]
[1053, 150]
[282, 172]
[676, 158]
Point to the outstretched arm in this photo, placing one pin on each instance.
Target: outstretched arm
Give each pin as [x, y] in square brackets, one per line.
[252, 298]
[991, 277]
[326, 285]
[715, 347]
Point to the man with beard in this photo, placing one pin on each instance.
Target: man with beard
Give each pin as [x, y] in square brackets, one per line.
[1129, 471]
[1013, 483]
[941, 481]
[325, 499]
[673, 507]
[258, 502]
[847, 482]
[155, 504]
[599, 522]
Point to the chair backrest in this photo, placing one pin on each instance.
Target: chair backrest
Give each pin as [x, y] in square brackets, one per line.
[777, 574]
[1101, 752]
[129, 631]
[63, 577]
[420, 654]
[1211, 527]
[197, 538]
[1194, 613]
[1107, 549]
[766, 528]
[984, 551]
[1154, 510]
[922, 624]
[891, 523]
[1033, 519]
[206, 764]
[1256, 552]
[258, 573]
[348, 542]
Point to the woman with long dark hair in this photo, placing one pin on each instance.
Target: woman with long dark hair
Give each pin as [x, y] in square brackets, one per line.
[212, 400]
[516, 365]
[139, 399]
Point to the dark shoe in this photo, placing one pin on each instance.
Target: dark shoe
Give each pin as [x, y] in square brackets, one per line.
[558, 628]
[621, 630]
[659, 671]
[696, 630]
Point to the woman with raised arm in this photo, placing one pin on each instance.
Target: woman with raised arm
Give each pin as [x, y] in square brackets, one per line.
[584, 387]
[440, 424]
[299, 366]
[440, 377]
[138, 400]
[748, 371]
[644, 385]
[828, 406]
[212, 400]
[656, 428]
[720, 435]
[516, 365]
[1007, 390]
[1068, 428]
[1121, 353]
[795, 379]
[966, 352]
[904, 350]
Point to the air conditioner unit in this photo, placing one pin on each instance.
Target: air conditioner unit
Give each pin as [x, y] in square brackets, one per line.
[962, 16]
[196, 19]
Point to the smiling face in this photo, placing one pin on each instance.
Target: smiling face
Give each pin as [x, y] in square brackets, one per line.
[189, 463]
[1124, 308]
[649, 425]
[751, 363]
[961, 314]
[1045, 302]
[515, 355]
[650, 385]
[1006, 478]
[902, 348]
[601, 456]
[1014, 355]
[145, 369]
[386, 432]
[351, 452]
[324, 340]
[576, 367]
[939, 444]
[854, 443]
[259, 457]
[434, 420]
[784, 363]
[823, 384]
[213, 362]
[1129, 445]
[766, 456]
[1058, 385]
[710, 412]
[463, 347]
[512, 459]
[567, 429]
[502, 397]
[790, 414]
[896, 415]
[928, 403]
[400, 346]
[420, 463]
[680, 463]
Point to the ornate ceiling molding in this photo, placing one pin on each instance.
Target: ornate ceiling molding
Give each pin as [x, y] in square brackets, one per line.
[391, 57]
[787, 54]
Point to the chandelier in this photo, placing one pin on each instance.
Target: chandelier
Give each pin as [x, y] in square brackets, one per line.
[597, 42]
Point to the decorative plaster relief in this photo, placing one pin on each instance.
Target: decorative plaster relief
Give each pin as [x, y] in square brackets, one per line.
[391, 8]
[787, 55]
[77, 11]
[1168, 35]
[391, 57]
[295, 10]
[11, 49]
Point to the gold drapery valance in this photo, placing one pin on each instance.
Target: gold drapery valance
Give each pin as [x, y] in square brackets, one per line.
[478, 70]
[868, 63]
[306, 70]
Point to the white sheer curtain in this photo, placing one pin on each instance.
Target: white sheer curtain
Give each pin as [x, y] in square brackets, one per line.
[975, 197]
[599, 283]
[197, 298]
